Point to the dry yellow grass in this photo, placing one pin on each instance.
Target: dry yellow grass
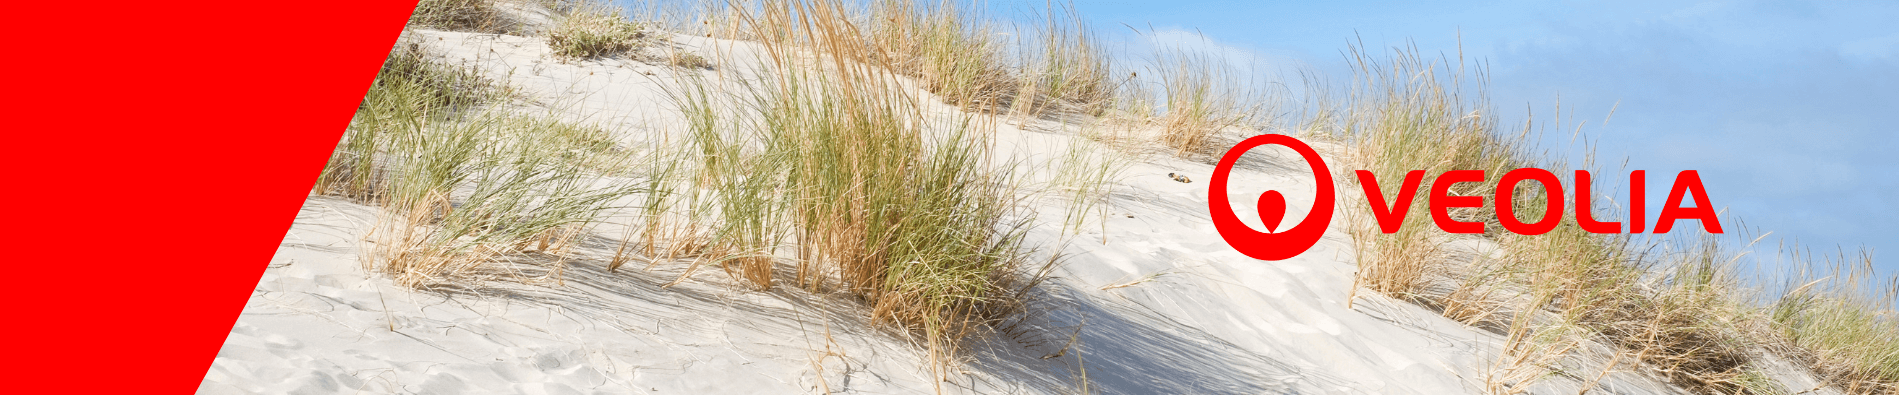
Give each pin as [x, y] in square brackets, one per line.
[460, 15]
[594, 31]
[905, 211]
[1680, 310]
[829, 167]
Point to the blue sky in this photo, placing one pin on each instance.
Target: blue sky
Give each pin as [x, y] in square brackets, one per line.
[1788, 110]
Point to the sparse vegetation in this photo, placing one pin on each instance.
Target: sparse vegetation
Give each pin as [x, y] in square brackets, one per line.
[413, 145]
[952, 51]
[414, 88]
[688, 60]
[592, 32]
[1682, 311]
[527, 192]
[830, 167]
[1202, 97]
[1406, 114]
[1083, 174]
[1065, 69]
[1841, 323]
[482, 16]
[464, 183]
[827, 171]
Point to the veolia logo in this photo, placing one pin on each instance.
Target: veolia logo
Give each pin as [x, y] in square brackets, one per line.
[1273, 245]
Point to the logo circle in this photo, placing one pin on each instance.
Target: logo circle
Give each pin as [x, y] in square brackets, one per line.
[1271, 246]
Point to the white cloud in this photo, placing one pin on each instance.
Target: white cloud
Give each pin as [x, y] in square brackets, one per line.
[1245, 61]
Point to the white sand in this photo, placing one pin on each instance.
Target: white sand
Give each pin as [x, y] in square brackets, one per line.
[1208, 321]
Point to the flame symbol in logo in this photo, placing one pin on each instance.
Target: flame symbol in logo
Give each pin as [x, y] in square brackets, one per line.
[1271, 245]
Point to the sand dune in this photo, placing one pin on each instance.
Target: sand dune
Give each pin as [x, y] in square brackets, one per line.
[1151, 302]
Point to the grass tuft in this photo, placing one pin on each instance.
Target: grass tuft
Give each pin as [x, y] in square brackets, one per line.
[593, 32]
[1202, 97]
[1843, 324]
[827, 166]
[461, 182]
[1410, 113]
[414, 88]
[482, 16]
[1063, 68]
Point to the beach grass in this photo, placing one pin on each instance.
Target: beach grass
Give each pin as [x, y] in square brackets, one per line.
[831, 170]
[593, 31]
[1681, 307]
[483, 16]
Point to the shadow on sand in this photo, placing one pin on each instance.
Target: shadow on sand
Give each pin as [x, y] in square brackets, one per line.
[1121, 349]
